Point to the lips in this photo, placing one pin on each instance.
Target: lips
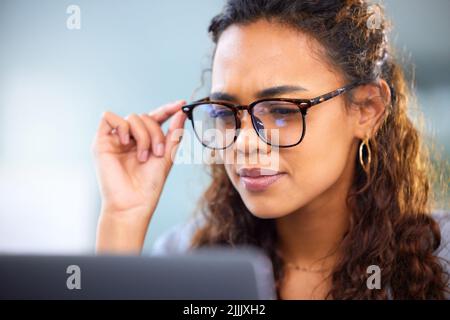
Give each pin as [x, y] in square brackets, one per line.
[258, 179]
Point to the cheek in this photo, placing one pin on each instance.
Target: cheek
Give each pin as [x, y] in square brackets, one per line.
[320, 160]
[314, 166]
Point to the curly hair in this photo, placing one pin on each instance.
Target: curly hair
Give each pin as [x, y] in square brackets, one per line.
[390, 223]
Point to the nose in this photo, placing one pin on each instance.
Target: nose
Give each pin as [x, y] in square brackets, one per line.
[248, 142]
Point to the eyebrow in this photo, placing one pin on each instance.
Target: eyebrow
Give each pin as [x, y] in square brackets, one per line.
[265, 93]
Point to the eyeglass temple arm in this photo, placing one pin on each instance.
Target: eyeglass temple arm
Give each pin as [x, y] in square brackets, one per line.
[319, 99]
[328, 96]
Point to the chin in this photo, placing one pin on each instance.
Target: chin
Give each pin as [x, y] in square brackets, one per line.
[264, 210]
[266, 215]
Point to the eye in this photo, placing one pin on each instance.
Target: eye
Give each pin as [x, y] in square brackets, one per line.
[277, 109]
[284, 111]
[218, 111]
[221, 113]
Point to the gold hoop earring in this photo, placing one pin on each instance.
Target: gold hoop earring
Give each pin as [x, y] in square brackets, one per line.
[365, 166]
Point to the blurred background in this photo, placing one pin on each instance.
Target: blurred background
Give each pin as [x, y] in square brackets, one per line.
[132, 56]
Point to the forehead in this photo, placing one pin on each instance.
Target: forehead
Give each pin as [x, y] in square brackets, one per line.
[262, 54]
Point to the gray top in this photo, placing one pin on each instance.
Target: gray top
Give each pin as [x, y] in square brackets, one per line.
[177, 239]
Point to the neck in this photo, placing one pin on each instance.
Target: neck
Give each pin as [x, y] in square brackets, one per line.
[311, 236]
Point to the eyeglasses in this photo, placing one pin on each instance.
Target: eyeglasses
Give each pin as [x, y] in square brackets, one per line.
[279, 122]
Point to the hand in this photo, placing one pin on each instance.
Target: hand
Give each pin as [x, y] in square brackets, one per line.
[133, 158]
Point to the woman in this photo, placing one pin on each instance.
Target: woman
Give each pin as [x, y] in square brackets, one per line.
[313, 87]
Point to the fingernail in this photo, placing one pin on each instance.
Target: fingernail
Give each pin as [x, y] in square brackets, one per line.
[143, 155]
[159, 150]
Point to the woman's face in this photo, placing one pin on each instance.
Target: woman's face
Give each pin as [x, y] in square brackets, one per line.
[252, 58]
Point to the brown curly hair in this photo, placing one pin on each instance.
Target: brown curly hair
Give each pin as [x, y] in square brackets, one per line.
[390, 224]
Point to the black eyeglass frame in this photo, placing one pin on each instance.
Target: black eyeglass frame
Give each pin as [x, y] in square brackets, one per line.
[303, 105]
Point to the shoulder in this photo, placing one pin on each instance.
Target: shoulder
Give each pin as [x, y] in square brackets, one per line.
[177, 239]
[443, 251]
[443, 219]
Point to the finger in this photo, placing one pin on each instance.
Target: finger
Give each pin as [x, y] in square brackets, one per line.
[156, 135]
[111, 122]
[141, 135]
[164, 112]
[175, 134]
[177, 121]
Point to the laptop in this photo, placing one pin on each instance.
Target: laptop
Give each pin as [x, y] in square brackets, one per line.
[215, 273]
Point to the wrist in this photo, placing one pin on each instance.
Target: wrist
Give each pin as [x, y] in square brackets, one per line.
[121, 232]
